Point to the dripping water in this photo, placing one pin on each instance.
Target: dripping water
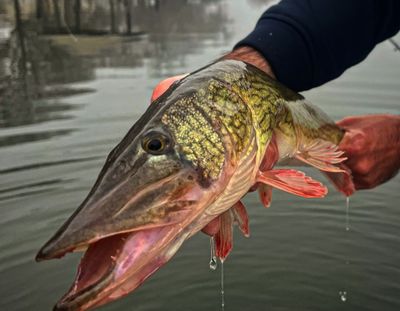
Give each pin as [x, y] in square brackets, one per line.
[213, 258]
[222, 286]
[213, 266]
[343, 294]
[395, 44]
[347, 213]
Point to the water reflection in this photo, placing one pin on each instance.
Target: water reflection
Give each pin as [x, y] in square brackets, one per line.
[30, 70]
[53, 44]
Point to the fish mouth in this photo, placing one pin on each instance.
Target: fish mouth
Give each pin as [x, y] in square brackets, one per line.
[121, 253]
[97, 219]
[115, 265]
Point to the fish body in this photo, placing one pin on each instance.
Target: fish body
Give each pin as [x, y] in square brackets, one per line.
[192, 156]
[232, 114]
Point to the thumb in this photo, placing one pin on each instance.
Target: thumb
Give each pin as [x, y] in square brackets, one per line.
[164, 85]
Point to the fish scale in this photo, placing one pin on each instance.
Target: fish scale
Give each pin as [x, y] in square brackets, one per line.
[242, 102]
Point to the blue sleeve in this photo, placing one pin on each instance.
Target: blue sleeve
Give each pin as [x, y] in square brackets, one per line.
[310, 42]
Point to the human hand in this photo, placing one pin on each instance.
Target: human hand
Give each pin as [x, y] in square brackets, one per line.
[372, 145]
[244, 53]
[251, 56]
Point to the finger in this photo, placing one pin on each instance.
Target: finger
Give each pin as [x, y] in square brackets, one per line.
[352, 142]
[349, 121]
[164, 85]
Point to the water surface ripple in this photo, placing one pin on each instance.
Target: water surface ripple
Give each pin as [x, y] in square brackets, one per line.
[299, 256]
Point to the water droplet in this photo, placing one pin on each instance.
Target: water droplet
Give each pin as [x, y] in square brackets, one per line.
[347, 214]
[343, 296]
[213, 264]
[213, 258]
[222, 286]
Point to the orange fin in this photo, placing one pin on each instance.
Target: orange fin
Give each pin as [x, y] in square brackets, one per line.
[294, 182]
[265, 193]
[323, 155]
[270, 158]
[241, 218]
[237, 214]
[343, 182]
[164, 85]
[224, 237]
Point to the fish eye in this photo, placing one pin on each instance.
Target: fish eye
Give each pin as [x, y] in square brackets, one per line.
[155, 143]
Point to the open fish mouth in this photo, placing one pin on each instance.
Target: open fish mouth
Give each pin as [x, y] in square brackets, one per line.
[124, 249]
[114, 266]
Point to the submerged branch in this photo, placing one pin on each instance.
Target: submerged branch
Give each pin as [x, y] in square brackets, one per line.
[395, 44]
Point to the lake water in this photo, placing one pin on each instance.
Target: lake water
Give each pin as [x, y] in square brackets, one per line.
[299, 256]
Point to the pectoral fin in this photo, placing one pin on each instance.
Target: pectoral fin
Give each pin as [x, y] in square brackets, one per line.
[294, 182]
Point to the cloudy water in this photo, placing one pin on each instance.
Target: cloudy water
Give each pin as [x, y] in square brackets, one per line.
[75, 98]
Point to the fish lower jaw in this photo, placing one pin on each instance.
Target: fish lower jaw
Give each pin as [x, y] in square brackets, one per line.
[115, 266]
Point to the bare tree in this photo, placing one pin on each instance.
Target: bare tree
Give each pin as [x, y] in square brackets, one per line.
[77, 10]
[69, 12]
[57, 16]
[112, 17]
[42, 9]
[39, 9]
[21, 40]
[128, 8]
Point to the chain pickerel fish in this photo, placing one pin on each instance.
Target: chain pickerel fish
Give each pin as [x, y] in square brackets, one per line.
[191, 157]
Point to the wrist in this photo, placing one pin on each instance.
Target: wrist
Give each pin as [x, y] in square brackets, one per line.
[249, 55]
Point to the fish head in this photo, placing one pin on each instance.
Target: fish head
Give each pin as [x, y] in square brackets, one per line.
[142, 207]
[146, 182]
